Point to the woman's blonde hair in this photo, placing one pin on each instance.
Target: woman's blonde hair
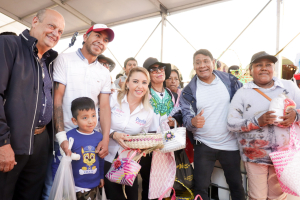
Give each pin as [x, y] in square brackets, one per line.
[124, 90]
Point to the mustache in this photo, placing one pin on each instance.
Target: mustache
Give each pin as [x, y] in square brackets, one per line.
[52, 36]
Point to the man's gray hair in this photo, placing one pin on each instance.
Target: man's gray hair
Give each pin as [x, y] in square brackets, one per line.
[41, 14]
[87, 36]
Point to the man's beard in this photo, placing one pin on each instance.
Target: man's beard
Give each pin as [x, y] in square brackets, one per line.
[89, 49]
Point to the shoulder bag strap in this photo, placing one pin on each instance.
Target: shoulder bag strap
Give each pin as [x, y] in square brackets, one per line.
[263, 94]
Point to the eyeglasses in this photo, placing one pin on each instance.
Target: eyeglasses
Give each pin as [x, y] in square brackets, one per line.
[173, 79]
[155, 69]
[106, 65]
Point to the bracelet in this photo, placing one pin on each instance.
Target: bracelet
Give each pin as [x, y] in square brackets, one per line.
[112, 135]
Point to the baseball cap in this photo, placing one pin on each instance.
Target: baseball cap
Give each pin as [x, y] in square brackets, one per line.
[102, 27]
[263, 54]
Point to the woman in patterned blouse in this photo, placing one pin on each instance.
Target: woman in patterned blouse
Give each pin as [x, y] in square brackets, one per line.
[162, 101]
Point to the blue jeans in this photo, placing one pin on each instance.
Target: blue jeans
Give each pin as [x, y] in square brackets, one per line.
[56, 160]
[204, 161]
[50, 172]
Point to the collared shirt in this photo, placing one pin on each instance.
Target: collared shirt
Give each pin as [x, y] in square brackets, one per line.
[45, 114]
[81, 80]
[125, 122]
[251, 84]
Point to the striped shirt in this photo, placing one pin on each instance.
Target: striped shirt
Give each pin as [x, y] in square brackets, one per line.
[214, 99]
[81, 80]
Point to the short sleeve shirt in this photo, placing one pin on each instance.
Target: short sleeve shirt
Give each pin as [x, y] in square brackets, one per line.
[81, 80]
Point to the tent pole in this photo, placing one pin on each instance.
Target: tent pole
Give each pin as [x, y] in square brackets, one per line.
[115, 57]
[278, 65]
[181, 34]
[163, 21]
[244, 29]
[147, 39]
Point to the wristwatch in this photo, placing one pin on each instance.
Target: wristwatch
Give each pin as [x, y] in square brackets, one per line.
[112, 135]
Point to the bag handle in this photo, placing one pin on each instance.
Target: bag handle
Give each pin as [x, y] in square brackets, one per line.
[161, 122]
[198, 196]
[133, 154]
[294, 139]
[118, 158]
[188, 189]
[263, 94]
[173, 196]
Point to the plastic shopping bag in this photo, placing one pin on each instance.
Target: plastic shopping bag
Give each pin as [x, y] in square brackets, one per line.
[99, 196]
[280, 105]
[184, 171]
[63, 187]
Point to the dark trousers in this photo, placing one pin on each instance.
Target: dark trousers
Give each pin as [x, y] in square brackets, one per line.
[25, 181]
[204, 161]
[114, 191]
[145, 174]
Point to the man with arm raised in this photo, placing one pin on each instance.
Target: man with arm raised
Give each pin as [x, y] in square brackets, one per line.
[79, 74]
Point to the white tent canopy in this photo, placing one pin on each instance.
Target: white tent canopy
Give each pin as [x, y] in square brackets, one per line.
[16, 15]
[80, 15]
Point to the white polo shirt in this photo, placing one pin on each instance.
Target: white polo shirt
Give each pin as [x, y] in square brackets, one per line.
[81, 80]
[125, 122]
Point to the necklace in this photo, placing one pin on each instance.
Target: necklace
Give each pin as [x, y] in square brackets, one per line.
[162, 105]
[161, 93]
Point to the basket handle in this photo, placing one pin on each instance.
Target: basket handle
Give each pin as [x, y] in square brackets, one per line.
[173, 196]
[133, 154]
[188, 189]
[118, 158]
[293, 138]
[161, 121]
[198, 196]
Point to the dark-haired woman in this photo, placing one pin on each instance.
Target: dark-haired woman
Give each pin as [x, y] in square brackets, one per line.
[162, 101]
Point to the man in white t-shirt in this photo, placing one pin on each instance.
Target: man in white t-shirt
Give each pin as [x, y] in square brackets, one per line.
[79, 74]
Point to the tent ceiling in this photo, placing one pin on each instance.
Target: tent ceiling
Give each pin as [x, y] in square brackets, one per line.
[81, 14]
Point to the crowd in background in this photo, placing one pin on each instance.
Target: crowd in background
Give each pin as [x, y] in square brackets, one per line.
[48, 98]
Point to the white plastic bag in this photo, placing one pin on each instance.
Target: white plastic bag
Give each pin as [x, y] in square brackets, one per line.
[99, 196]
[277, 105]
[63, 187]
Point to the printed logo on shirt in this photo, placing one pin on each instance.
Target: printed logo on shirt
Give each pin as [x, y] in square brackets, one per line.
[140, 122]
[88, 158]
[117, 111]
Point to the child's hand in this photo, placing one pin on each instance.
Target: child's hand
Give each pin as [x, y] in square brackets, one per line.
[101, 183]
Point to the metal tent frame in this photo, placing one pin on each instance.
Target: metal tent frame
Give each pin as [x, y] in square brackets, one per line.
[74, 12]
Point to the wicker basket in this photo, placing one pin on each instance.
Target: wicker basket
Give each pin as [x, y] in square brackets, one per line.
[144, 141]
